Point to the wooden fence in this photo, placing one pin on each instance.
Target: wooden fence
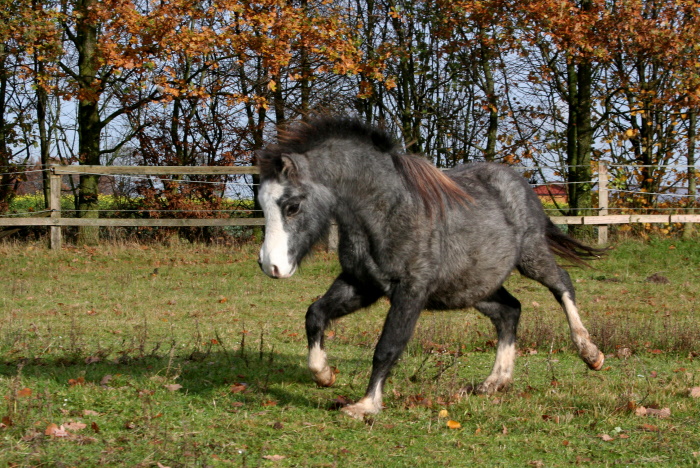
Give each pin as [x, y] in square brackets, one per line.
[56, 221]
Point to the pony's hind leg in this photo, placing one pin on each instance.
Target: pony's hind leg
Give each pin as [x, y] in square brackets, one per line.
[546, 271]
[504, 311]
[343, 297]
[588, 351]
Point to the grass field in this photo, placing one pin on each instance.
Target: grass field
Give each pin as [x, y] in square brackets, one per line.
[131, 355]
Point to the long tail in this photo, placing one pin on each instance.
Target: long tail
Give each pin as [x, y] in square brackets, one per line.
[569, 248]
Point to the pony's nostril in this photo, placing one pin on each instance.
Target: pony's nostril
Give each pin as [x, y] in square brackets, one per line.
[275, 271]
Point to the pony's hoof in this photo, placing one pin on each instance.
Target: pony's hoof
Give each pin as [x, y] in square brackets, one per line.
[598, 363]
[365, 407]
[489, 387]
[354, 411]
[325, 378]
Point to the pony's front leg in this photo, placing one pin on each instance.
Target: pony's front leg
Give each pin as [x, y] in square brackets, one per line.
[345, 296]
[398, 329]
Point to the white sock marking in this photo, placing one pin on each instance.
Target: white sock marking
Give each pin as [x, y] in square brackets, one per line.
[317, 359]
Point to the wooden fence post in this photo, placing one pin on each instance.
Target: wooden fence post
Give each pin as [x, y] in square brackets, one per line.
[55, 207]
[602, 201]
[333, 237]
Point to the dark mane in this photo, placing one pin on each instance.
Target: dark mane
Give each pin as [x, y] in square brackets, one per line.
[421, 178]
[301, 137]
[430, 184]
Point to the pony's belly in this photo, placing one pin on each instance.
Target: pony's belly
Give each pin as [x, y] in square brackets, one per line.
[467, 289]
[458, 299]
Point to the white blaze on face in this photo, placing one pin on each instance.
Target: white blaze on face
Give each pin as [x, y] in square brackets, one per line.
[274, 254]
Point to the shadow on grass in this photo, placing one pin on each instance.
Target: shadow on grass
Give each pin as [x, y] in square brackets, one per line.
[272, 376]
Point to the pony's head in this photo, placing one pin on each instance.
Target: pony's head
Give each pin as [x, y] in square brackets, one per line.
[297, 211]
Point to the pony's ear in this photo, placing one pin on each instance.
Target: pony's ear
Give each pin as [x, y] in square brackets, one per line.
[289, 167]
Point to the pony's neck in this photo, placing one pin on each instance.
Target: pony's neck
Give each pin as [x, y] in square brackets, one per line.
[365, 183]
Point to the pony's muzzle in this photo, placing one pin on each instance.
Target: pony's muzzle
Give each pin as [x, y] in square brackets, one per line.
[273, 271]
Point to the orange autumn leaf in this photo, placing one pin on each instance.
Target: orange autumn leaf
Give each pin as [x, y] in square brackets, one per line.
[78, 381]
[56, 431]
[24, 393]
[452, 424]
[238, 387]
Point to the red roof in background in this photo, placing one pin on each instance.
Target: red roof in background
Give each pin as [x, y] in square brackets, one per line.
[555, 190]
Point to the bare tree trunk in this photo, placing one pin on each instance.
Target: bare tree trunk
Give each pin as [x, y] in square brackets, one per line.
[7, 178]
[579, 144]
[492, 102]
[690, 230]
[89, 125]
[41, 106]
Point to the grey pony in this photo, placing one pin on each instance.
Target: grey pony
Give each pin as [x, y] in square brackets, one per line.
[421, 237]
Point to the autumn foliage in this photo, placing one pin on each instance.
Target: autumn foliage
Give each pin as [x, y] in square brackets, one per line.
[557, 84]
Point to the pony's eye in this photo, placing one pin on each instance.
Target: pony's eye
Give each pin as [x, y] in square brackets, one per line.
[291, 209]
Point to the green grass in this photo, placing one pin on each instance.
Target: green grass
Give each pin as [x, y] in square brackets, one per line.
[189, 356]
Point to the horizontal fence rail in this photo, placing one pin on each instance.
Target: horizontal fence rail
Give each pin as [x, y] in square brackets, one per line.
[55, 221]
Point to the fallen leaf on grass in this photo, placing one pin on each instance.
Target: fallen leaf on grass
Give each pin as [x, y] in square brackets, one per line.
[339, 402]
[105, 380]
[89, 412]
[55, 431]
[274, 457]
[74, 426]
[652, 412]
[25, 392]
[31, 436]
[452, 424]
[238, 387]
[414, 401]
[694, 392]
[78, 381]
[657, 279]
[173, 387]
[443, 414]
[649, 428]
[605, 437]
